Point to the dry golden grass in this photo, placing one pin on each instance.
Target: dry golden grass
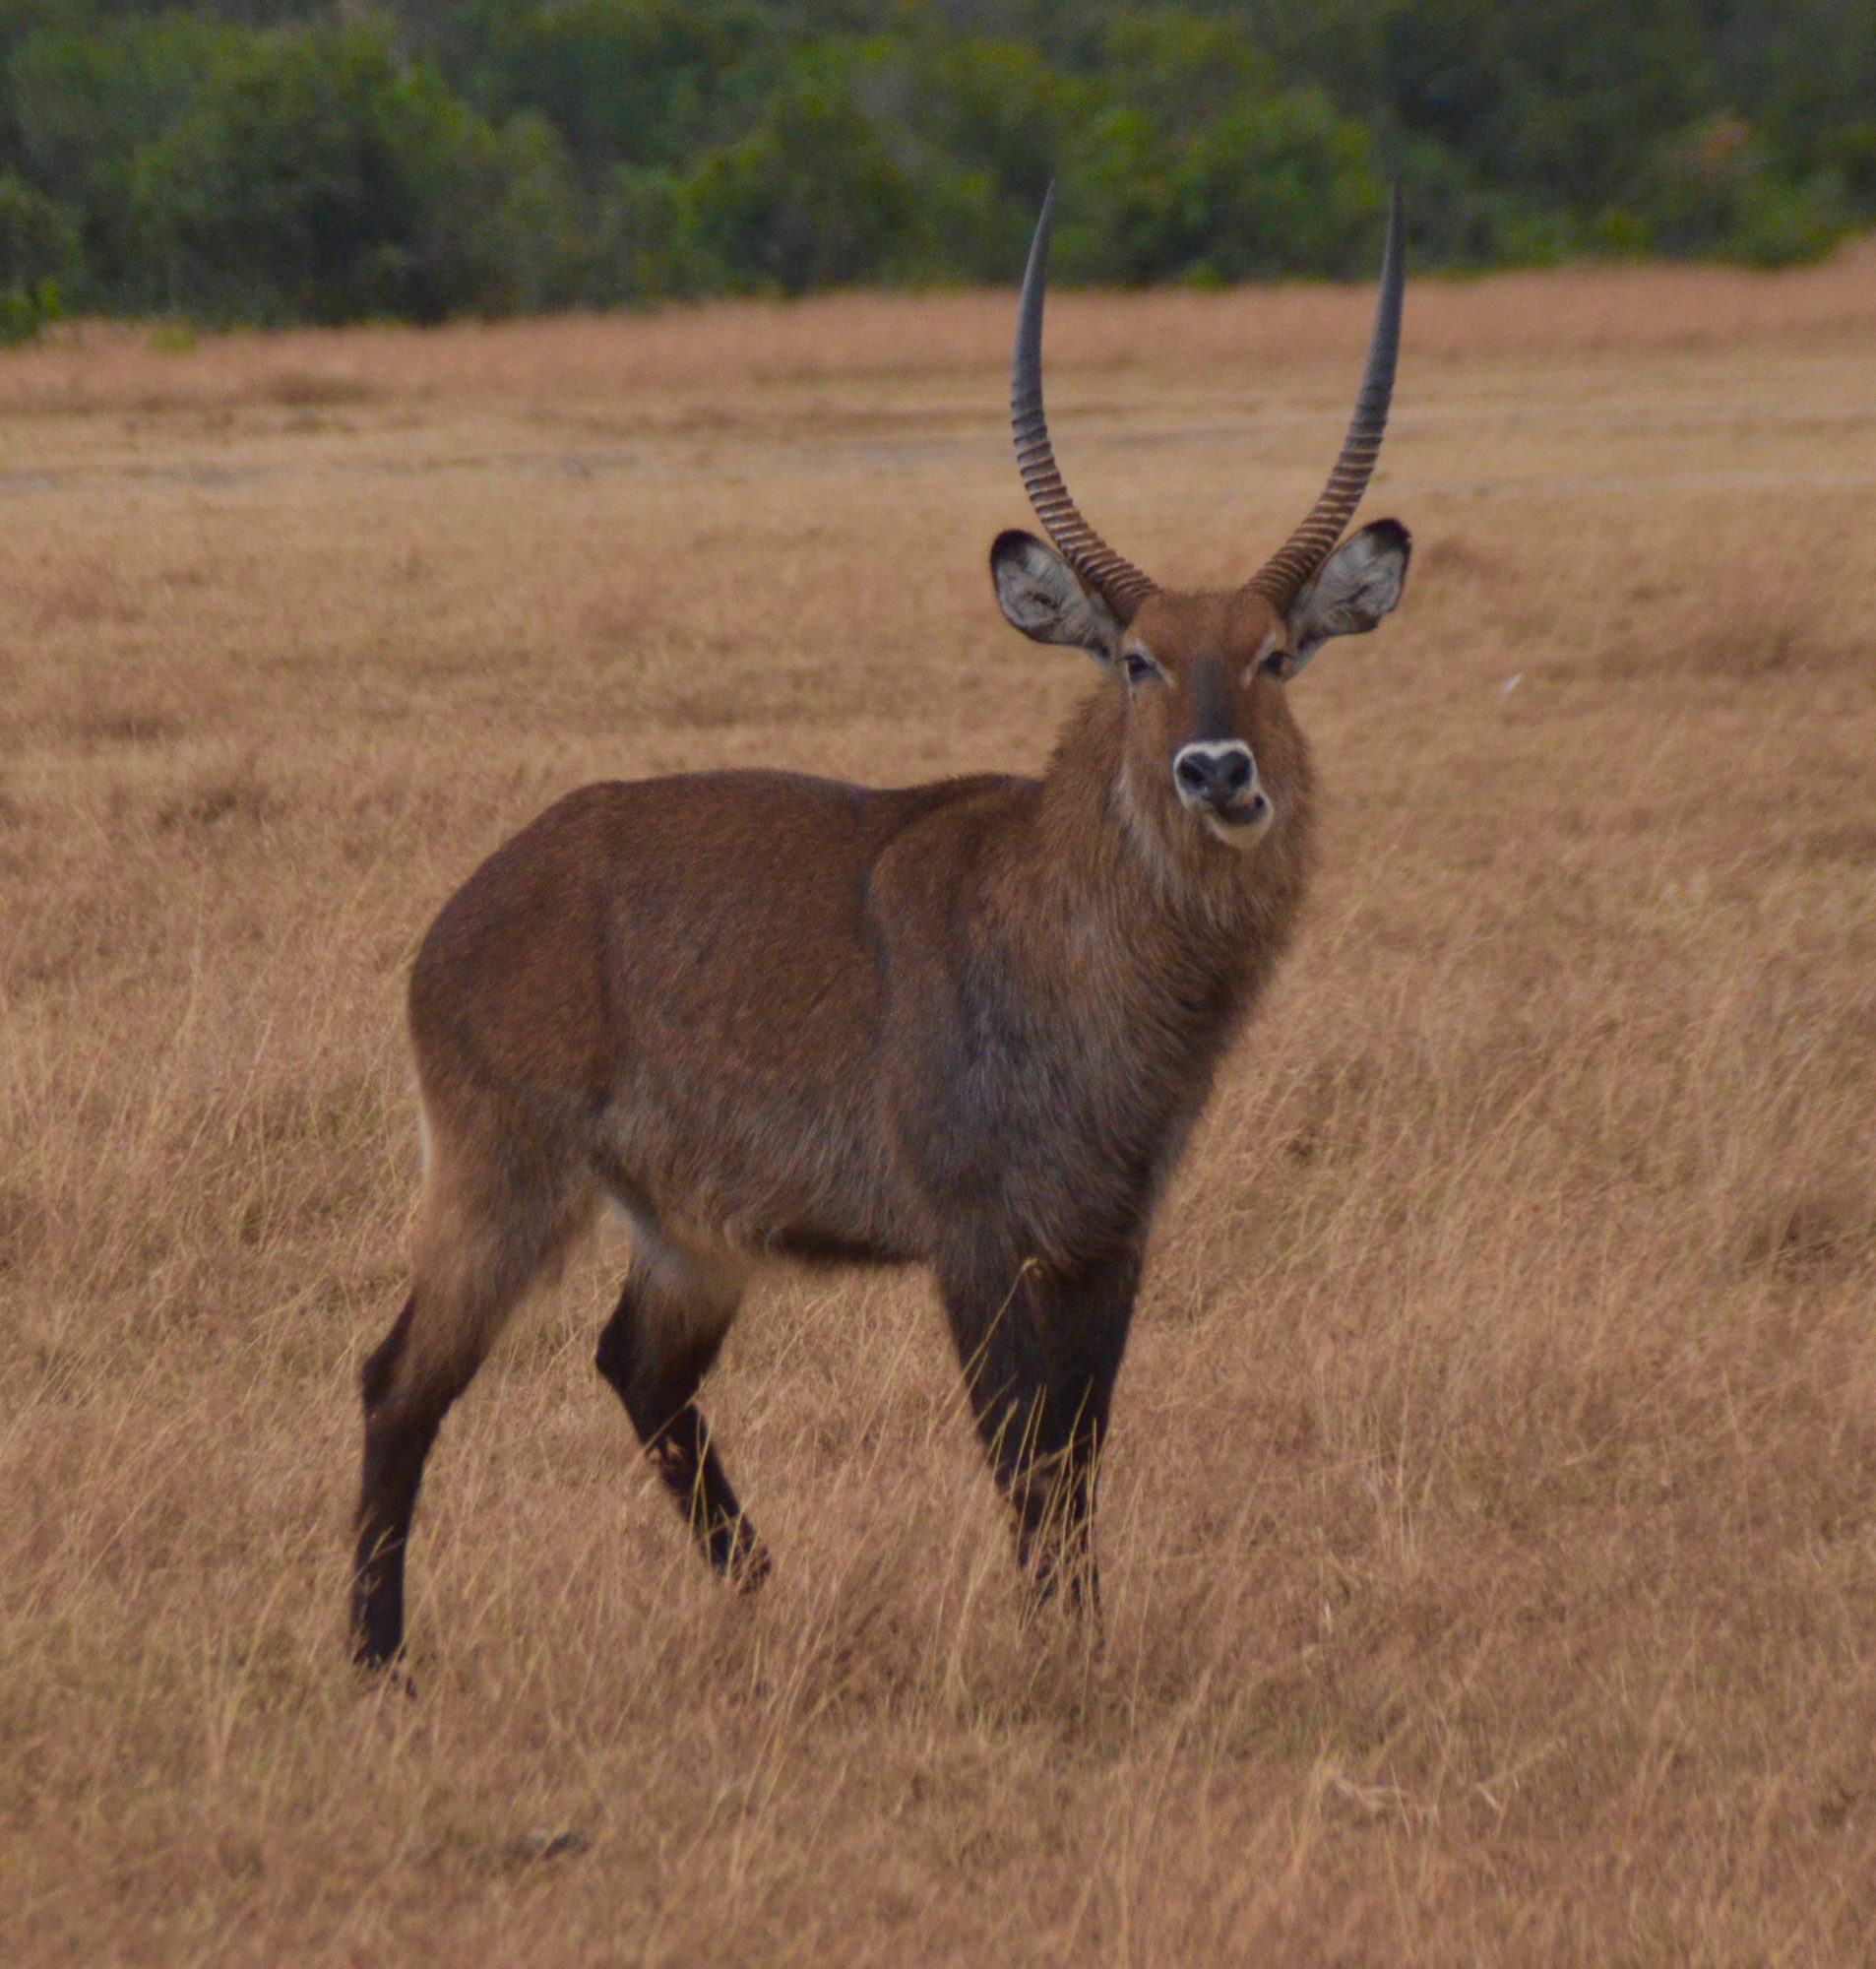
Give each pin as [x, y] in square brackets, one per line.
[1490, 1529]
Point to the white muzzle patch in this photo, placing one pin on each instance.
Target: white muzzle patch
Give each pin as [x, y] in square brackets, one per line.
[1217, 779]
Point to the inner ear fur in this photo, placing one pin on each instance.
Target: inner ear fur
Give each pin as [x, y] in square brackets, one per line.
[1044, 597]
[1358, 583]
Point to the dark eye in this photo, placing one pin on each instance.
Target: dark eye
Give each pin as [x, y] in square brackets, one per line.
[1277, 663]
[1139, 667]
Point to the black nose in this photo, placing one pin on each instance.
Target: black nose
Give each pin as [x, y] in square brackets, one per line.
[1216, 776]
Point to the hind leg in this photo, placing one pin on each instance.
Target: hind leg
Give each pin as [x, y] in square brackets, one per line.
[476, 1255]
[654, 1351]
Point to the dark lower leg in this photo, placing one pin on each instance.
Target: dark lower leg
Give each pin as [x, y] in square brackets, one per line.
[397, 1442]
[1053, 1499]
[1042, 1350]
[656, 1383]
[402, 1415]
[693, 1472]
[1047, 1471]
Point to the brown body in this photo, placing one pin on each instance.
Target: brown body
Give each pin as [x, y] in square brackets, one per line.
[968, 1025]
[778, 1015]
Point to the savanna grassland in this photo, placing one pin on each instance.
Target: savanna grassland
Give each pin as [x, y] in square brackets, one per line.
[1491, 1525]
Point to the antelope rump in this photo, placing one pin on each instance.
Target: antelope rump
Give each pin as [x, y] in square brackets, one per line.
[967, 1024]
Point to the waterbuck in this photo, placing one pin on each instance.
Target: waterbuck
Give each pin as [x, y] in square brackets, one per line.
[969, 1024]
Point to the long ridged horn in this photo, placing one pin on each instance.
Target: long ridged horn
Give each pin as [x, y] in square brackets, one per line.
[1282, 576]
[1120, 584]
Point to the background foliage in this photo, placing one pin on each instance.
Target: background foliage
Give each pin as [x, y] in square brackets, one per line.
[274, 160]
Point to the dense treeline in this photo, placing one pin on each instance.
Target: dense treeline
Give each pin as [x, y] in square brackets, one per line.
[276, 161]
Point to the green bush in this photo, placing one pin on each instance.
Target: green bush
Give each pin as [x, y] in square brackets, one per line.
[1716, 192]
[646, 246]
[1779, 223]
[1280, 185]
[26, 311]
[813, 197]
[86, 105]
[39, 248]
[623, 81]
[319, 178]
[274, 160]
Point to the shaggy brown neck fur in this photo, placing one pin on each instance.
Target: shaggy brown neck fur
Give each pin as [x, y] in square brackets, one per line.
[1128, 875]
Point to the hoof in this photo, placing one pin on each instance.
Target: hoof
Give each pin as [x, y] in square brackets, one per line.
[749, 1568]
[381, 1671]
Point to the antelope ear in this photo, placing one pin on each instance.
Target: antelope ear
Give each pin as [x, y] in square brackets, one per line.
[1044, 597]
[1360, 582]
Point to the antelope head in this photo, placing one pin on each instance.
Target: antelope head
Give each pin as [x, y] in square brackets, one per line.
[1210, 741]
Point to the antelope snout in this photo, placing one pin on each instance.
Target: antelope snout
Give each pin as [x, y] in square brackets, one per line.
[1217, 776]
